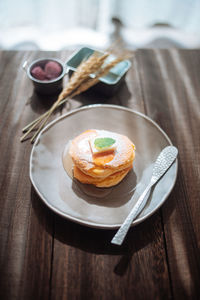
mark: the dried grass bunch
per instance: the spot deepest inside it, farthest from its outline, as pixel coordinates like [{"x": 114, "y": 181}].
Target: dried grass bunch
[{"x": 79, "y": 82}]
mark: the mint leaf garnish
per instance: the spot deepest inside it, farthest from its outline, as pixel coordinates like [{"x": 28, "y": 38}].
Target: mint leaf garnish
[{"x": 101, "y": 143}]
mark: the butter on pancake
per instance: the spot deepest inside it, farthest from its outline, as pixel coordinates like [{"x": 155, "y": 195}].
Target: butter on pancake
[
  {"x": 101, "y": 157},
  {"x": 102, "y": 144}
]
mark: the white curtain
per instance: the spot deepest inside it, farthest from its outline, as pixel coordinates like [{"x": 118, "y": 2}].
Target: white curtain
[
  {"x": 49, "y": 15},
  {"x": 183, "y": 14},
  {"x": 55, "y": 24}
]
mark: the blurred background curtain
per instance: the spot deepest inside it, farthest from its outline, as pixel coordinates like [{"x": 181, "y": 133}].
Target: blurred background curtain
[{"x": 58, "y": 24}]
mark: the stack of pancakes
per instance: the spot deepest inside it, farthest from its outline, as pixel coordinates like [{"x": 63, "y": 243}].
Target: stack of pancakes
[{"x": 104, "y": 166}]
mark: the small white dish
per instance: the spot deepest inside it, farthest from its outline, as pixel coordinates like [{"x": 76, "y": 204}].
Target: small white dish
[{"x": 88, "y": 205}]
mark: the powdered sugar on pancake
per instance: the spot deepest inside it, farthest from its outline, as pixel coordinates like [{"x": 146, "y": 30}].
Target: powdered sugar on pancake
[
  {"x": 80, "y": 148},
  {"x": 123, "y": 148}
]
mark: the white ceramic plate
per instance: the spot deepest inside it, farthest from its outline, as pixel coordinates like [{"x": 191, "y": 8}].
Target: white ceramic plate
[{"x": 85, "y": 204}]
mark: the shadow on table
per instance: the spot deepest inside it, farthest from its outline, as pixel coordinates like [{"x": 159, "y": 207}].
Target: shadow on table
[
  {"x": 97, "y": 241},
  {"x": 107, "y": 197},
  {"x": 121, "y": 97},
  {"x": 41, "y": 103}
]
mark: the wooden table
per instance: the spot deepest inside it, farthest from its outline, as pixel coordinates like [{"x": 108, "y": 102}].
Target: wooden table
[{"x": 44, "y": 256}]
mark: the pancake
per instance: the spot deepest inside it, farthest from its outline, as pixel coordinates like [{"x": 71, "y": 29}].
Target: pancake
[
  {"x": 103, "y": 163},
  {"x": 102, "y": 158},
  {"x": 109, "y": 181}
]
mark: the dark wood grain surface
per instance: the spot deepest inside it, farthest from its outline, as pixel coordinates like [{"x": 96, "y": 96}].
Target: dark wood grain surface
[{"x": 43, "y": 256}]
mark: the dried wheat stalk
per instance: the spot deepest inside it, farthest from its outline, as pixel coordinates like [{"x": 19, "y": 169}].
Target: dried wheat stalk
[
  {"x": 79, "y": 82},
  {"x": 28, "y": 128},
  {"x": 91, "y": 65},
  {"x": 36, "y": 121},
  {"x": 92, "y": 81},
  {"x": 83, "y": 71}
]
